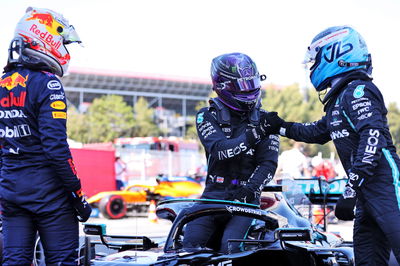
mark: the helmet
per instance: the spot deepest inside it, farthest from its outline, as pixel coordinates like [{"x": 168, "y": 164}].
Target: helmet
[
  {"x": 236, "y": 81},
  {"x": 335, "y": 51},
  {"x": 39, "y": 41}
]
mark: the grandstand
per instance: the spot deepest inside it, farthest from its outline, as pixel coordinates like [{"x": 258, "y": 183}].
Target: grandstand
[{"x": 178, "y": 94}]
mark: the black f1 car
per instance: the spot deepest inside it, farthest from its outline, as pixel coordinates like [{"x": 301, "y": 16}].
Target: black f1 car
[{"x": 279, "y": 235}]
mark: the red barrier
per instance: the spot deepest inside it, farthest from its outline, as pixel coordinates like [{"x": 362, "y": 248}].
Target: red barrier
[{"x": 95, "y": 169}]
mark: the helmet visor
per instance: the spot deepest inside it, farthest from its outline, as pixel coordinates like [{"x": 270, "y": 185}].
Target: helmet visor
[
  {"x": 244, "y": 84},
  {"x": 70, "y": 35},
  {"x": 247, "y": 96}
]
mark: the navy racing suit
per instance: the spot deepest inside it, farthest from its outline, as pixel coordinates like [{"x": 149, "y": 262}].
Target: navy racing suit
[
  {"x": 356, "y": 122},
  {"x": 235, "y": 161},
  {"x": 37, "y": 169}
]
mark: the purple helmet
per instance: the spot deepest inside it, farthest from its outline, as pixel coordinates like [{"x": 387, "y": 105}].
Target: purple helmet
[{"x": 236, "y": 81}]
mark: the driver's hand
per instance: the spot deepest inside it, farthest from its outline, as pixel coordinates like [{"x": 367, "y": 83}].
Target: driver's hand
[
  {"x": 242, "y": 194},
  {"x": 349, "y": 193}
]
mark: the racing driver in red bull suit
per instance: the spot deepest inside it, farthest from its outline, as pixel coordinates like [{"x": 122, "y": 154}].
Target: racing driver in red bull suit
[
  {"x": 39, "y": 188},
  {"x": 355, "y": 120},
  {"x": 242, "y": 156}
]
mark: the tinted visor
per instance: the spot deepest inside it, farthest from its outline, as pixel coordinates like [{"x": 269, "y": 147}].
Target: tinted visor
[
  {"x": 247, "y": 96},
  {"x": 70, "y": 35},
  {"x": 245, "y": 84}
]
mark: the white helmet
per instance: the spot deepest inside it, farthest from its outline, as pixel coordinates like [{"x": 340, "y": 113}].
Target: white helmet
[{"x": 39, "y": 41}]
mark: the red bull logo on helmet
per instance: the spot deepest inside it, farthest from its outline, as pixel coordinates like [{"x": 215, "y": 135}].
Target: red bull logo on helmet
[
  {"x": 46, "y": 19},
  {"x": 13, "y": 81},
  {"x": 51, "y": 24},
  {"x": 46, "y": 36}
]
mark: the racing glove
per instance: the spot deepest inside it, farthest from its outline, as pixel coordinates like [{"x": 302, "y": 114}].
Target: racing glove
[
  {"x": 353, "y": 184},
  {"x": 270, "y": 123},
  {"x": 81, "y": 206},
  {"x": 242, "y": 194},
  {"x": 278, "y": 125}
]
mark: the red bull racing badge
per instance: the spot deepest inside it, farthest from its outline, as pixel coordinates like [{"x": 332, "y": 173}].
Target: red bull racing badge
[{"x": 13, "y": 81}]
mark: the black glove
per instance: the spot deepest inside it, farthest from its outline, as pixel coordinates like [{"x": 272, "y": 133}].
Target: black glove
[
  {"x": 271, "y": 123},
  {"x": 81, "y": 206},
  {"x": 353, "y": 184},
  {"x": 344, "y": 209},
  {"x": 242, "y": 194}
]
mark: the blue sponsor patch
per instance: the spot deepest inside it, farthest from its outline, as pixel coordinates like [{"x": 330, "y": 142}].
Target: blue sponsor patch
[
  {"x": 200, "y": 118},
  {"x": 359, "y": 91}
]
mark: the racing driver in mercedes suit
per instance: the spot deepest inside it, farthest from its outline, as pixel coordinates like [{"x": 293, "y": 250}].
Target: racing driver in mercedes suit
[
  {"x": 39, "y": 188},
  {"x": 355, "y": 120},
  {"x": 241, "y": 154}
]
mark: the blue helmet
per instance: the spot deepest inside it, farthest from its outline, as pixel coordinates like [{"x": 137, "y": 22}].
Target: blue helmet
[
  {"x": 236, "y": 81},
  {"x": 335, "y": 51}
]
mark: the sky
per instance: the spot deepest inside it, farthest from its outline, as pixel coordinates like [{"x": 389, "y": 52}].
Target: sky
[{"x": 179, "y": 38}]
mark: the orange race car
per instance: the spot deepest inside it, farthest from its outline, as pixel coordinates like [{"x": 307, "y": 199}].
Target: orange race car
[{"x": 116, "y": 204}]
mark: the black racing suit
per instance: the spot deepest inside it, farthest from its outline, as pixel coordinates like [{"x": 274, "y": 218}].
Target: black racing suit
[
  {"x": 356, "y": 122},
  {"x": 234, "y": 161},
  {"x": 37, "y": 169}
]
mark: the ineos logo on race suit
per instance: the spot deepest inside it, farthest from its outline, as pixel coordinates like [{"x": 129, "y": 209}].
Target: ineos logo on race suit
[
  {"x": 339, "y": 134},
  {"x": 372, "y": 143},
  {"x": 250, "y": 152},
  {"x": 15, "y": 132},
  {"x": 229, "y": 153}
]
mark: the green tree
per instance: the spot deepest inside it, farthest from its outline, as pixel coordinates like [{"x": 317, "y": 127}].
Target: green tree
[
  {"x": 143, "y": 124},
  {"x": 291, "y": 105},
  {"x": 77, "y": 127},
  {"x": 394, "y": 124},
  {"x": 107, "y": 118}
]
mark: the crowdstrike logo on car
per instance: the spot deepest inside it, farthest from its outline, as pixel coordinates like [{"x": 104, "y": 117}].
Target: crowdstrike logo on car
[{"x": 232, "y": 209}]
